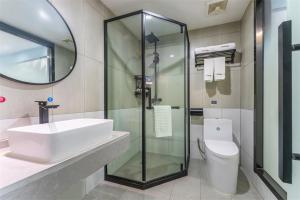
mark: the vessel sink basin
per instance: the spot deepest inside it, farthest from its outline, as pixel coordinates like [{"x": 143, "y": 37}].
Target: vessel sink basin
[{"x": 57, "y": 141}]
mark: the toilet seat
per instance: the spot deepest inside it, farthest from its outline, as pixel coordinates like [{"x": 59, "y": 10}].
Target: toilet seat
[{"x": 223, "y": 149}]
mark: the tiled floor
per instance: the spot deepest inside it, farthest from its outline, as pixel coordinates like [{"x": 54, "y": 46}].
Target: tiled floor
[
  {"x": 158, "y": 165},
  {"x": 192, "y": 187}
]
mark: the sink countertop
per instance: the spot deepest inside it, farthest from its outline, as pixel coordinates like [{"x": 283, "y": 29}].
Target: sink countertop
[{"x": 16, "y": 173}]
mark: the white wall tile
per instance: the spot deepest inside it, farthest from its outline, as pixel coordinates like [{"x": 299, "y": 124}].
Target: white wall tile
[
  {"x": 195, "y": 154},
  {"x": 247, "y": 131},
  {"x": 212, "y": 112},
  {"x": 196, "y": 131},
  {"x": 235, "y": 116},
  {"x": 93, "y": 180}
]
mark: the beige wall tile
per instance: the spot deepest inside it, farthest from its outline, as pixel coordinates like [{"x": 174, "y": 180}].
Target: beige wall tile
[
  {"x": 73, "y": 13},
  {"x": 247, "y": 45},
  {"x": 247, "y": 86},
  {"x": 20, "y": 99},
  {"x": 227, "y": 92},
  {"x": 93, "y": 85},
  {"x": 93, "y": 32},
  {"x": 196, "y": 90},
  {"x": 69, "y": 93}
]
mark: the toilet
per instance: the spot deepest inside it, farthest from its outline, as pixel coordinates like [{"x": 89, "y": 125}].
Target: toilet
[{"x": 222, "y": 155}]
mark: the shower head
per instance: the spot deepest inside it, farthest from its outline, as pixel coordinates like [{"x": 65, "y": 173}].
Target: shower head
[{"x": 151, "y": 38}]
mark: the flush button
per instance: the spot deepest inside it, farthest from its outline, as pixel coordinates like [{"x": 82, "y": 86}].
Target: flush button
[{"x": 2, "y": 99}]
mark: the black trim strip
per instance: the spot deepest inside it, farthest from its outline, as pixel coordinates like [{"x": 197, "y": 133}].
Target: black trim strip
[
  {"x": 145, "y": 12},
  {"x": 275, "y": 188},
  {"x": 143, "y": 101},
  {"x": 145, "y": 185}
]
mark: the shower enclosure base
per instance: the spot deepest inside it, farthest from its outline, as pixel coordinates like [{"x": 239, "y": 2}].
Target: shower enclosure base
[{"x": 132, "y": 170}]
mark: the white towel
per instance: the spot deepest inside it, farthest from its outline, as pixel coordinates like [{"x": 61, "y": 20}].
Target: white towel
[
  {"x": 163, "y": 121},
  {"x": 209, "y": 69},
  {"x": 219, "y": 68}
]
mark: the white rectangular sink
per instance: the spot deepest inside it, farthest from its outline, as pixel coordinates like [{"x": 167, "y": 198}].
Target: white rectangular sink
[{"x": 54, "y": 142}]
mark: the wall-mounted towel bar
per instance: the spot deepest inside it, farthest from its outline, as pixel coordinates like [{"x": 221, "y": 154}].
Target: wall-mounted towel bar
[{"x": 228, "y": 54}]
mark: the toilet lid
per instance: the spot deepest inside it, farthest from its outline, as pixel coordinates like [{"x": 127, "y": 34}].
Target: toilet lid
[{"x": 222, "y": 148}]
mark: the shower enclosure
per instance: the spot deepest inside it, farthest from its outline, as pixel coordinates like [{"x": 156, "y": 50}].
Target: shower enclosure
[{"x": 147, "y": 64}]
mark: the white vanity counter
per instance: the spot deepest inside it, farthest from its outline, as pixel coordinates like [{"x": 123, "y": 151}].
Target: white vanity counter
[{"x": 16, "y": 174}]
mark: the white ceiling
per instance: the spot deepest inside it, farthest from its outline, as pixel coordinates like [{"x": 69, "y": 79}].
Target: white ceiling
[{"x": 191, "y": 12}]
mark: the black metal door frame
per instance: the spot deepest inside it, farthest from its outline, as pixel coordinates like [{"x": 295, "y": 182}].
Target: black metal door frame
[
  {"x": 259, "y": 26},
  {"x": 144, "y": 184}
]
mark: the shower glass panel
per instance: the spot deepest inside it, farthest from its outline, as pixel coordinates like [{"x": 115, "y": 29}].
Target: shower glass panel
[
  {"x": 164, "y": 63},
  {"x": 146, "y": 69},
  {"x": 123, "y": 62}
]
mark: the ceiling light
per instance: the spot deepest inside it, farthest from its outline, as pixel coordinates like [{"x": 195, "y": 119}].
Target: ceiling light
[
  {"x": 148, "y": 17},
  {"x": 44, "y": 15},
  {"x": 172, "y": 56}
]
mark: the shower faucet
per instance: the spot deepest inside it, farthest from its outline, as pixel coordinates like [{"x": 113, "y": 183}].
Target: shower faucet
[{"x": 44, "y": 111}]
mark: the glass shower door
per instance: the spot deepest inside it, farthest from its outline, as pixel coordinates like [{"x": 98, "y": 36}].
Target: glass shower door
[
  {"x": 294, "y": 16},
  {"x": 282, "y": 82},
  {"x": 123, "y": 106},
  {"x": 165, "y": 84}
]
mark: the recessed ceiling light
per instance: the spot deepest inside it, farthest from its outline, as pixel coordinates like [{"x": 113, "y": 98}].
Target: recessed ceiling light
[
  {"x": 44, "y": 15},
  {"x": 172, "y": 56},
  {"x": 148, "y": 17}
]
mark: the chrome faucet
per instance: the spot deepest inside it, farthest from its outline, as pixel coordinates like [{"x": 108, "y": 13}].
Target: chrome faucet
[{"x": 44, "y": 111}]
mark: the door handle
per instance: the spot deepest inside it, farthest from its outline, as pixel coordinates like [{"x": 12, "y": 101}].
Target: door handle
[{"x": 285, "y": 49}]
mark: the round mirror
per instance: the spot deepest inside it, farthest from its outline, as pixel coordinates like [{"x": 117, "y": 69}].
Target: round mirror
[{"x": 36, "y": 44}]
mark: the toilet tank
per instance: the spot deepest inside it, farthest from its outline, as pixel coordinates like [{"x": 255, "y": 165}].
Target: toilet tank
[{"x": 218, "y": 129}]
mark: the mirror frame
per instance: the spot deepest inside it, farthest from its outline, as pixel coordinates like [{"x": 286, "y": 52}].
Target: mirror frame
[{"x": 31, "y": 37}]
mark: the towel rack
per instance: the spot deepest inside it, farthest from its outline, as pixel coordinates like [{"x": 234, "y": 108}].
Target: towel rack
[
  {"x": 228, "y": 54},
  {"x": 172, "y": 107}
]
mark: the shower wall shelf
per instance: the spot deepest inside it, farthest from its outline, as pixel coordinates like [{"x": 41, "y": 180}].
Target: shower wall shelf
[
  {"x": 228, "y": 54},
  {"x": 196, "y": 111}
]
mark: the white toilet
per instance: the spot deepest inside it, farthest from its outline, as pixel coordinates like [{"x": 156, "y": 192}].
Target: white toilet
[{"x": 222, "y": 155}]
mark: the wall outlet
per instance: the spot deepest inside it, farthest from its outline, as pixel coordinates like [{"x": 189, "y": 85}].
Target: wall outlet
[{"x": 214, "y": 102}]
